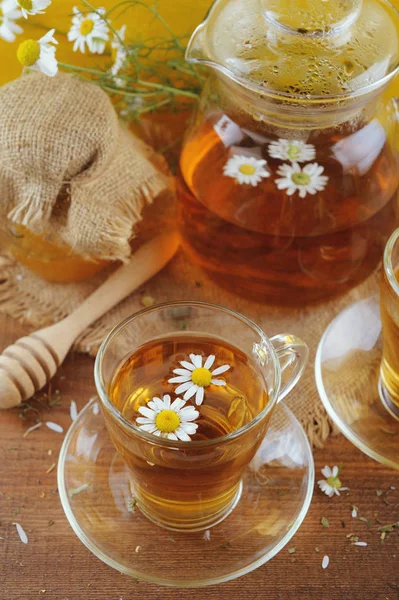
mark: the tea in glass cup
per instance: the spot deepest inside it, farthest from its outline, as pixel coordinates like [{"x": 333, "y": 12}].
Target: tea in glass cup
[
  {"x": 187, "y": 392},
  {"x": 389, "y": 381}
]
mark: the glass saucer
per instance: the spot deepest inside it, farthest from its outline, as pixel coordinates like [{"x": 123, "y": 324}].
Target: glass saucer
[
  {"x": 96, "y": 493},
  {"x": 347, "y": 370}
]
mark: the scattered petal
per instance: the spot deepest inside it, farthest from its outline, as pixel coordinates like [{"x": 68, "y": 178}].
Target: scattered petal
[
  {"x": 325, "y": 562},
  {"x": 22, "y": 535},
  {"x": 73, "y": 410},
  {"x": 54, "y": 426}
]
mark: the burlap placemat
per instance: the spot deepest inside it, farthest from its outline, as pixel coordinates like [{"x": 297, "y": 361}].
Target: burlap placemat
[{"x": 37, "y": 304}]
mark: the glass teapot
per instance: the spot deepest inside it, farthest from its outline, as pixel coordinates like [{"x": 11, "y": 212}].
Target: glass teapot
[{"x": 288, "y": 176}]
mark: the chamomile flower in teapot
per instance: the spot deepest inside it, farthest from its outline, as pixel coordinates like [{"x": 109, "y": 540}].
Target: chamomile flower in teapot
[{"x": 289, "y": 174}]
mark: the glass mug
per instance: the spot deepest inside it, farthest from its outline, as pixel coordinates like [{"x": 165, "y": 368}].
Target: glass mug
[
  {"x": 389, "y": 304},
  {"x": 193, "y": 485}
]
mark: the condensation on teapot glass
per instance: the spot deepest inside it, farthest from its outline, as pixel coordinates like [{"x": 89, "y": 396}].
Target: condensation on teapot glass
[
  {"x": 312, "y": 19},
  {"x": 305, "y": 47}
]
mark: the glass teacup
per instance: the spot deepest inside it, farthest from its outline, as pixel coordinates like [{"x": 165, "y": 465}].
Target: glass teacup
[{"x": 187, "y": 392}]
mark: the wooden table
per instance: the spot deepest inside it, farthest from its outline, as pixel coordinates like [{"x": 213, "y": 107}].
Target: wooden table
[{"x": 56, "y": 565}]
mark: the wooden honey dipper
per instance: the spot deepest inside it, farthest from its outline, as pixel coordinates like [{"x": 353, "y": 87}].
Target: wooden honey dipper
[{"x": 27, "y": 365}]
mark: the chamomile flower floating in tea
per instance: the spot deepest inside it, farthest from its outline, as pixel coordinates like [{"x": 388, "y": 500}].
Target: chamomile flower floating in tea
[
  {"x": 89, "y": 30},
  {"x": 163, "y": 419},
  {"x": 30, "y": 7},
  {"x": 331, "y": 484},
  {"x": 9, "y": 13},
  {"x": 194, "y": 378},
  {"x": 293, "y": 150},
  {"x": 246, "y": 169},
  {"x": 39, "y": 55},
  {"x": 308, "y": 180}
]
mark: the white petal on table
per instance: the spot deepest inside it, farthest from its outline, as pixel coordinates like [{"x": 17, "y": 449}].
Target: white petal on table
[
  {"x": 325, "y": 562},
  {"x": 73, "y": 410},
  {"x": 21, "y": 532},
  {"x": 54, "y": 426}
]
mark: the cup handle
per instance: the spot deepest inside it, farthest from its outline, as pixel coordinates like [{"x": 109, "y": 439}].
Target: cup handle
[{"x": 293, "y": 355}]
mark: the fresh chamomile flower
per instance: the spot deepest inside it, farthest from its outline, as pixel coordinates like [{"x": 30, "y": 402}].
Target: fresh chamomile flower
[
  {"x": 293, "y": 150},
  {"x": 119, "y": 53},
  {"x": 39, "y": 55},
  {"x": 163, "y": 419},
  {"x": 331, "y": 484},
  {"x": 119, "y": 37},
  {"x": 9, "y": 13},
  {"x": 30, "y": 7},
  {"x": 246, "y": 169},
  {"x": 88, "y": 30},
  {"x": 194, "y": 378},
  {"x": 308, "y": 180}
]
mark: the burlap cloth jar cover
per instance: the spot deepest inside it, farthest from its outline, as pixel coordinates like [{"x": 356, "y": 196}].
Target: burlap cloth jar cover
[
  {"x": 37, "y": 303},
  {"x": 68, "y": 166}
]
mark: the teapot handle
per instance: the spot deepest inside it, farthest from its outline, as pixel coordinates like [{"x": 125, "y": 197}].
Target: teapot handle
[
  {"x": 293, "y": 355},
  {"x": 393, "y": 116}
]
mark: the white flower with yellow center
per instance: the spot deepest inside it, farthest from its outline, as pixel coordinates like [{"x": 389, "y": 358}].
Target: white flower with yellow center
[
  {"x": 39, "y": 55},
  {"x": 293, "y": 150},
  {"x": 119, "y": 52},
  {"x": 246, "y": 169},
  {"x": 172, "y": 421},
  {"x": 194, "y": 378},
  {"x": 29, "y": 7},
  {"x": 308, "y": 180},
  {"x": 89, "y": 30},
  {"x": 9, "y": 13},
  {"x": 331, "y": 484}
]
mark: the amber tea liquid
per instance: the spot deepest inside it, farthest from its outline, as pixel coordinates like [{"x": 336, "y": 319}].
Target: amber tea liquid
[
  {"x": 196, "y": 487},
  {"x": 260, "y": 242},
  {"x": 390, "y": 325}
]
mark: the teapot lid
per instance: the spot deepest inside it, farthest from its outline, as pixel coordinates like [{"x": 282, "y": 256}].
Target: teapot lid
[{"x": 300, "y": 47}]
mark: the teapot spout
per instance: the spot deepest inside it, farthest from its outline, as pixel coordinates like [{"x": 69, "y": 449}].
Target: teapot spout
[{"x": 198, "y": 51}]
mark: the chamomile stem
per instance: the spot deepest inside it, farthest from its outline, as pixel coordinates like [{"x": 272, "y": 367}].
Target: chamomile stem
[{"x": 148, "y": 84}]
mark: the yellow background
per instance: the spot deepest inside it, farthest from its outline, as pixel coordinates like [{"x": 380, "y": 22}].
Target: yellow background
[{"x": 181, "y": 15}]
